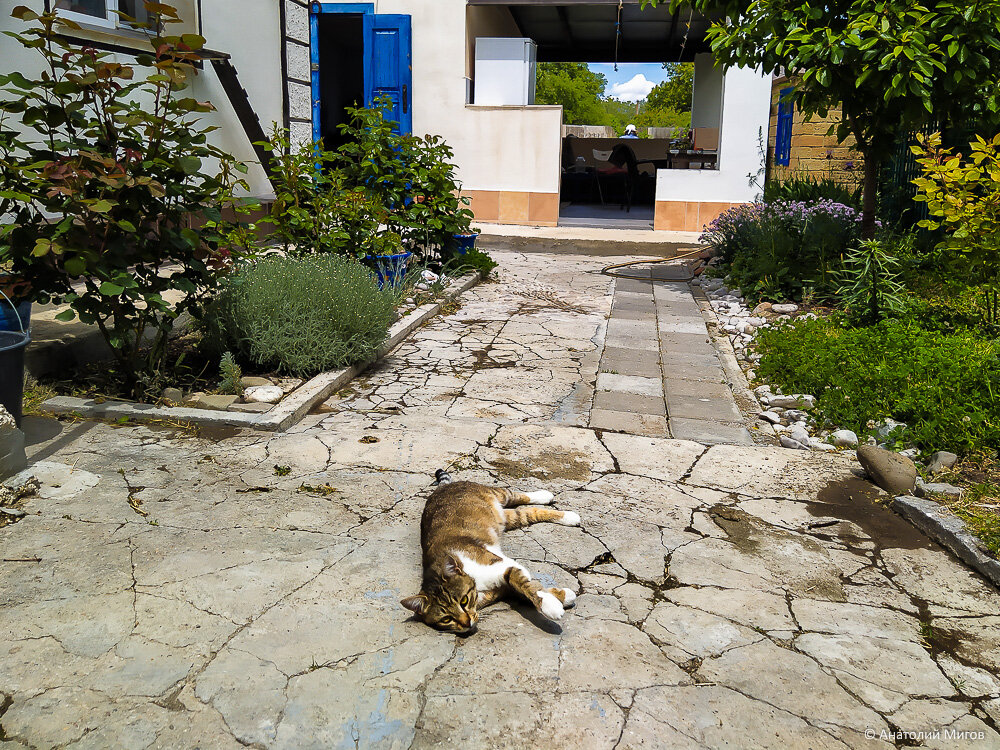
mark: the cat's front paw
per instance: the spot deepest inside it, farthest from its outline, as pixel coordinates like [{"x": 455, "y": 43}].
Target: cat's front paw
[
  {"x": 550, "y": 606},
  {"x": 569, "y": 598},
  {"x": 569, "y": 518},
  {"x": 540, "y": 497}
]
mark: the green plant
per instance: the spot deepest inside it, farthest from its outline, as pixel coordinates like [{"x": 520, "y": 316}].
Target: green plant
[
  {"x": 945, "y": 387},
  {"x": 105, "y": 167},
  {"x": 304, "y": 315},
  {"x": 871, "y": 289},
  {"x": 473, "y": 260},
  {"x": 412, "y": 178},
  {"x": 963, "y": 198},
  {"x": 894, "y": 65},
  {"x": 809, "y": 188},
  {"x": 230, "y": 375}
]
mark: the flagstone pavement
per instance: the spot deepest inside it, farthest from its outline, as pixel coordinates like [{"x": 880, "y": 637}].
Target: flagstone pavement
[{"x": 241, "y": 590}]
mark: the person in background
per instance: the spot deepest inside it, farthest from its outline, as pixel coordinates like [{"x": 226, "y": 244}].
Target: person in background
[{"x": 630, "y": 131}]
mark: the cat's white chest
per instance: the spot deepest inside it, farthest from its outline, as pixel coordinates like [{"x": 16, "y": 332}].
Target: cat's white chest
[{"x": 489, "y": 577}]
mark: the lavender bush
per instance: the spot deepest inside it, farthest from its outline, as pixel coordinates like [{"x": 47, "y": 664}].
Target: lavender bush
[{"x": 775, "y": 250}]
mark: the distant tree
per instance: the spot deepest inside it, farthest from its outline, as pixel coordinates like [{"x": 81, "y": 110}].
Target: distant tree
[
  {"x": 894, "y": 65},
  {"x": 577, "y": 88},
  {"x": 675, "y": 92}
]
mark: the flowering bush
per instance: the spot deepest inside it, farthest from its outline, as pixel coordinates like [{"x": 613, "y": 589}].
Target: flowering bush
[{"x": 777, "y": 249}]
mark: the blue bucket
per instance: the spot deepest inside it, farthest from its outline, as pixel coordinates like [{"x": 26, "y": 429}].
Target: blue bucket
[
  {"x": 15, "y": 317},
  {"x": 12, "y": 345},
  {"x": 390, "y": 269}
]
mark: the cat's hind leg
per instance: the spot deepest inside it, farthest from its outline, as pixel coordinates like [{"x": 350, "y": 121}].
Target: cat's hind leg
[
  {"x": 538, "y": 497},
  {"x": 518, "y": 518},
  {"x": 551, "y": 603}
]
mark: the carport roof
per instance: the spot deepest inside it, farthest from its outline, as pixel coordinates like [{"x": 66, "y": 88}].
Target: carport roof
[{"x": 584, "y": 30}]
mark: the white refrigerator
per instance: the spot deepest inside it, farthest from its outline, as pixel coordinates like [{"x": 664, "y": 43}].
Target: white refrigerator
[{"x": 505, "y": 71}]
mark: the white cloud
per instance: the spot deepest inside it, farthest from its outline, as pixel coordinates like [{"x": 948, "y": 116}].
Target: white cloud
[{"x": 634, "y": 90}]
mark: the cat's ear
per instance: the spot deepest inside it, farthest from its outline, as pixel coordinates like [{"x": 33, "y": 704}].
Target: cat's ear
[
  {"x": 416, "y": 603},
  {"x": 452, "y": 567}
]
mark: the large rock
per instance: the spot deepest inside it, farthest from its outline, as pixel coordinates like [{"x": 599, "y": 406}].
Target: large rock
[
  {"x": 844, "y": 439},
  {"x": 893, "y": 473},
  {"x": 12, "y": 456},
  {"x": 264, "y": 394}
]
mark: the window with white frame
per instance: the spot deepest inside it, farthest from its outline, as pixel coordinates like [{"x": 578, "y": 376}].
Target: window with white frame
[{"x": 104, "y": 12}]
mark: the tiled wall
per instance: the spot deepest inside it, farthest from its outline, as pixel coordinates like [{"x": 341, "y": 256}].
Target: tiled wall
[
  {"x": 511, "y": 207},
  {"x": 684, "y": 216}
]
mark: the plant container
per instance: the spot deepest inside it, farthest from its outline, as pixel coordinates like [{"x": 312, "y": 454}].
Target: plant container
[{"x": 389, "y": 269}]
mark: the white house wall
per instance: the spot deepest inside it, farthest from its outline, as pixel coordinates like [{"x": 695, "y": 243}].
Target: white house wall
[
  {"x": 252, "y": 39},
  {"x": 688, "y": 199}
]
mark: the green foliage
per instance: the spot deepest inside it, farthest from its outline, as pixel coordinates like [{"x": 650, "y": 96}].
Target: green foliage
[
  {"x": 675, "y": 92},
  {"x": 412, "y": 178},
  {"x": 809, "y": 188},
  {"x": 473, "y": 260},
  {"x": 103, "y": 165},
  {"x": 230, "y": 375},
  {"x": 871, "y": 290},
  {"x": 895, "y": 65},
  {"x": 577, "y": 88},
  {"x": 779, "y": 250},
  {"x": 304, "y": 315},
  {"x": 944, "y": 386}
]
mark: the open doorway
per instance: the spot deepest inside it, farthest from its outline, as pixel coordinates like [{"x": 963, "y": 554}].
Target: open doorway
[{"x": 341, "y": 72}]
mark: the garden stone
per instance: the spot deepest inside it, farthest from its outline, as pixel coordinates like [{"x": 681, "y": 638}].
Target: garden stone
[
  {"x": 722, "y": 291},
  {"x": 788, "y": 442},
  {"x": 249, "y": 381},
  {"x": 762, "y": 308},
  {"x": 800, "y": 433},
  {"x": 252, "y": 408},
  {"x": 770, "y": 416},
  {"x": 796, "y": 415},
  {"x": 784, "y": 309},
  {"x": 12, "y": 456},
  {"x": 890, "y": 471},
  {"x": 844, "y": 439},
  {"x": 937, "y": 488},
  {"x": 887, "y": 428},
  {"x": 940, "y": 461},
  {"x": 264, "y": 394},
  {"x": 210, "y": 401},
  {"x": 819, "y": 445},
  {"x": 910, "y": 453},
  {"x": 799, "y": 401},
  {"x": 172, "y": 396}
]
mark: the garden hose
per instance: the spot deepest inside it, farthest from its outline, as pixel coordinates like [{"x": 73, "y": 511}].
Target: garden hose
[{"x": 609, "y": 270}]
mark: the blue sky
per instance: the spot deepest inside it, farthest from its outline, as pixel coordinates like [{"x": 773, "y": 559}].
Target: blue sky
[{"x": 626, "y": 82}]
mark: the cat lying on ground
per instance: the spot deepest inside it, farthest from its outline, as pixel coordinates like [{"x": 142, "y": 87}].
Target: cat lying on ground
[{"x": 464, "y": 567}]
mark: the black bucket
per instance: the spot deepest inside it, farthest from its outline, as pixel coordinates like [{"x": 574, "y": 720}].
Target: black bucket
[{"x": 12, "y": 345}]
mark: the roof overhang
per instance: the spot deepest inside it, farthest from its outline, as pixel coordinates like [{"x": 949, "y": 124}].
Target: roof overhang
[{"x": 585, "y": 30}]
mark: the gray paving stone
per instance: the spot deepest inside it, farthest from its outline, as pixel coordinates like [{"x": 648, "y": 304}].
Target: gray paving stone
[
  {"x": 670, "y": 272},
  {"x": 683, "y": 325},
  {"x": 644, "y": 363},
  {"x": 652, "y": 425},
  {"x": 630, "y": 384},
  {"x": 632, "y": 313},
  {"x": 704, "y": 407},
  {"x": 633, "y": 285},
  {"x": 674, "y": 387},
  {"x": 709, "y": 433},
  {"x": 643, "y": 328},
  {"x": 686, "y": 343},
  {"x": 630, "y": 402},
  {"x": 683, "y": 371},
  {"x": 632, "y": 341},
  {"x": 679, "y": 360}
]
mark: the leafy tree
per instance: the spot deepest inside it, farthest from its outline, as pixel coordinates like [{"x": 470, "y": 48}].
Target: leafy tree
[
  {"x": 577, "y": 88},
  {"x": 675, "y": 92},
  {"x": 895, "y": 65}
]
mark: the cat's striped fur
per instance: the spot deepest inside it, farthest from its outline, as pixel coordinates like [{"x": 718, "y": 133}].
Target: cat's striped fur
[{"x": 464, "y": 567}]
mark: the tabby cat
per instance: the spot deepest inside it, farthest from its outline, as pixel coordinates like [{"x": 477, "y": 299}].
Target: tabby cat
[{"x": 464, "y": 568}]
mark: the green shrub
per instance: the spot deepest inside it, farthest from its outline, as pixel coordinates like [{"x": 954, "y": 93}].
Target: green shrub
[
  {"x": 103, "y": 163},
  {"x": 810, "y": 189},
  {"x": 945, "y": 387},
  {"x": 304, "y": 315},
  {"x": 871, "y": 290},
  {"x": 473, "y": 260}
]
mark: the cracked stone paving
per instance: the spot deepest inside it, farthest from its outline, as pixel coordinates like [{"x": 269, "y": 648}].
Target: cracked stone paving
[{"x": 171, "y": 591}]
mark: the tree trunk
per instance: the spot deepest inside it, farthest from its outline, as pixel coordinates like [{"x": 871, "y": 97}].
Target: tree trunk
[{"x": 869, "y": 194}]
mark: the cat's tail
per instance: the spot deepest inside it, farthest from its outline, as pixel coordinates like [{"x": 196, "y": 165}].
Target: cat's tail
[{"x": 441, "y": 477}]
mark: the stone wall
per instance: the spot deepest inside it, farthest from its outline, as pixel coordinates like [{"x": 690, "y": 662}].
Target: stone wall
[{"x": 813, "y": 152}]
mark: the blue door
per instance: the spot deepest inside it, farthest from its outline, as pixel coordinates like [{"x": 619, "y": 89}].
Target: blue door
[{"x": 388, "y": 66}]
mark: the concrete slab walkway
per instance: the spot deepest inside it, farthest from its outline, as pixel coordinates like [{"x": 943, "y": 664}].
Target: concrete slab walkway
[
  {"x": 168, "y": 590},
  {"x": 660, "y": 374}
]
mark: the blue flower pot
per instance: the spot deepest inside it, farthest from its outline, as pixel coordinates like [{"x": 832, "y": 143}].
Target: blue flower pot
[
  {"x": 15, "y": 317},
  {"x": 463, "y": 243},
  {"x": 389, "y": 269}
]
